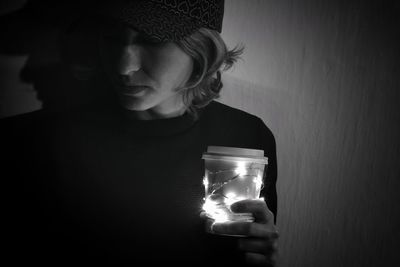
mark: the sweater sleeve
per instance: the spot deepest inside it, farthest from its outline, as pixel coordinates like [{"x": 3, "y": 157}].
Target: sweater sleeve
[{"x": 268, "y": 144}]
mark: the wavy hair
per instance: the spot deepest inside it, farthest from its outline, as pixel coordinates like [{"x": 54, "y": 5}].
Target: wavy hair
[{"x": 211, "y": 56}]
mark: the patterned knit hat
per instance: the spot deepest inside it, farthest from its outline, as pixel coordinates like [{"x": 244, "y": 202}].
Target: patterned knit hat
[{"x": 166, "y": 20}]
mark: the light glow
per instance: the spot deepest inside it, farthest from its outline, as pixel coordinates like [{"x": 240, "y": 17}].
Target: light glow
[
  {"x": 222, "y": 193},
  {"x": 233, "y": 200},
  {"x": 241, "y": 169},
  {"x": 214, "y": 211},
  {"x": 205, "y": 182},
  {"x": 230, "y": 195},
  {"x": 220, "y": 211},
  {"x": 258, "y": 181},
  {"x": 229, "y": 200}
]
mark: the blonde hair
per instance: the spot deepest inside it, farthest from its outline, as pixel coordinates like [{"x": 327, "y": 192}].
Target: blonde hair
[{"x": 211, "y": 56}]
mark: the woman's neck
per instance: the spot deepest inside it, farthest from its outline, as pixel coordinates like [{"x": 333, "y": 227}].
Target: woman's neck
[{"x": 154, "y": 114}]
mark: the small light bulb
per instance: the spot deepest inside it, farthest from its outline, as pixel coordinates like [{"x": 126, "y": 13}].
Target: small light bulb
[
  {"x": 258, "y": 181},
  {"x": 241, "y": 169},
  {"x": 214, "y": 210},
  {"x": 205, "y": 182},
  {"x": 230, "y": 195}
]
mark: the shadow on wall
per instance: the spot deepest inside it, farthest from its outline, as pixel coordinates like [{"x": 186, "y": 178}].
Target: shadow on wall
[{"x": 39, "y": 32}]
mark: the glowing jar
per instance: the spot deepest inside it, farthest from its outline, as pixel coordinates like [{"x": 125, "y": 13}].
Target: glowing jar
[{"x": 231, "y": 174}]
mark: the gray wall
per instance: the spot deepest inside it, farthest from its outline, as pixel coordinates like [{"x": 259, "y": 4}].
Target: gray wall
[{"x": 323, "y": 76}]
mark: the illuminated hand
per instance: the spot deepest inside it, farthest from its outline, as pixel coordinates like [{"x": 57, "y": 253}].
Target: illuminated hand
[{"x": 260, "y": 243}]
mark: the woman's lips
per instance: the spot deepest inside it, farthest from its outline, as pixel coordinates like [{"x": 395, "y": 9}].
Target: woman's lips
[{"x": 133, "y": 90}]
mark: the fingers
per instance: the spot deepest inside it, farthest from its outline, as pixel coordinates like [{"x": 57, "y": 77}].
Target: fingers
[
  {"x": 257, "y": 207},
  {"x": 203, "y": 215},
  {"x": 259, "y": 252},
  {"x": 256, "y": 245},
  {"x": 259, "y": 238},
  {"x": 245, "y": 228},
  {"x": 255, "y": 259}
]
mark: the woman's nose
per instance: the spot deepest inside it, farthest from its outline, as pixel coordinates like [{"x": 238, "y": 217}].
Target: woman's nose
[{"x": 130, "y": 60}]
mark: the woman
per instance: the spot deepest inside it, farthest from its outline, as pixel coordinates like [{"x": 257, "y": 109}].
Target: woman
[{"x": 123, "y": 183}]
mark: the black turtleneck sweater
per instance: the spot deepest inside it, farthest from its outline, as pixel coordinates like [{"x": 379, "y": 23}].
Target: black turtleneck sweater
[{"x": 99, "y": 187}]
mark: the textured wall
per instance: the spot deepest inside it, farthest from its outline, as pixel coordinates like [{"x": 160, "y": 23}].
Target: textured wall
[{"x": 323, "y": 76}]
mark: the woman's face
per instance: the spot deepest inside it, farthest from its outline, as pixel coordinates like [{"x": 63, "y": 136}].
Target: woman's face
[{"x": 144, "y": 74}]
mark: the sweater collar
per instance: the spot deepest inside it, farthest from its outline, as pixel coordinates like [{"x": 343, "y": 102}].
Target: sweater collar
[
  {"x": 117, "y": 119},
  {"x": 159, "y": 127}
]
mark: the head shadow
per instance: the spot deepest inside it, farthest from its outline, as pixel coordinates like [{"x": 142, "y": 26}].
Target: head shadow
[{"x": 39, "y": 30}]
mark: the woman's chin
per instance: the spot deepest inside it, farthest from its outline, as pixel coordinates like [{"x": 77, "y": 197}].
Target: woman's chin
[{"x": 132, "y": 103}]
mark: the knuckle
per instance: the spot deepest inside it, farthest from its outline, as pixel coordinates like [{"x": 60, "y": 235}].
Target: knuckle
[
  {"x": 260, "y": 204},
  {"x": 274, "y": 234},
  {"x": 275, "y": 247},
  {"x": 269, "y": 213}
]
